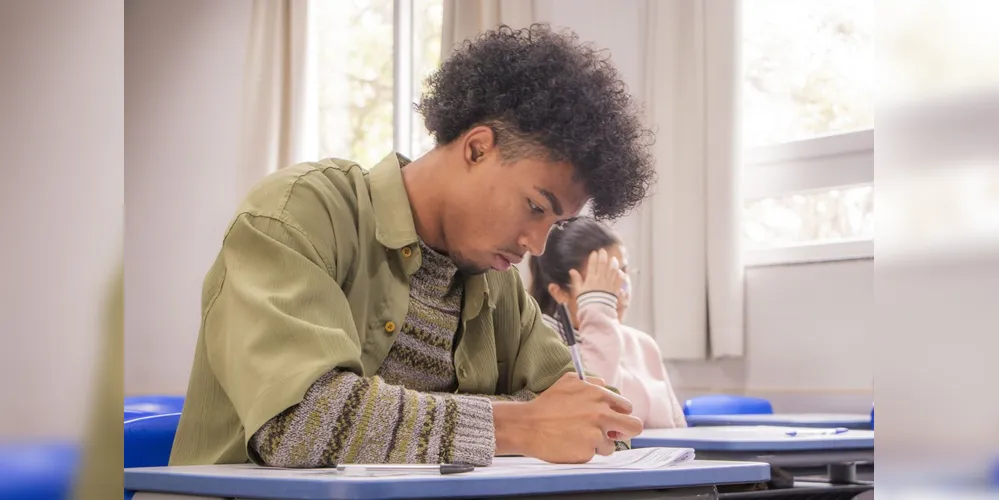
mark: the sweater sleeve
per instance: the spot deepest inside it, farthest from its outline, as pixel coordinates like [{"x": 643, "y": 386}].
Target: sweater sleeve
[{"x": 346, "y": 418}]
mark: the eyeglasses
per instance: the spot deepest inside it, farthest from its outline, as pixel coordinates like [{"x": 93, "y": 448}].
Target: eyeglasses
[{"x": 632, "y": 277}]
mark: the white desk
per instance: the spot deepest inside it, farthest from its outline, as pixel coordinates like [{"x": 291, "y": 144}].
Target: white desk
[
  {"x": 693, "y": 480},
  {"x": 839, "y": 452},
  {"x": 860, "y": 421}
]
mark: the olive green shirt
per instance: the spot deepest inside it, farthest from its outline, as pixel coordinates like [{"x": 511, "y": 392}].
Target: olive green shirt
[{"x": 313, "y": 275}]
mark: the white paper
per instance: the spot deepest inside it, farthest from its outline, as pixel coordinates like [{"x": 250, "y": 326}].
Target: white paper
[{"x": 638, "y": 459}]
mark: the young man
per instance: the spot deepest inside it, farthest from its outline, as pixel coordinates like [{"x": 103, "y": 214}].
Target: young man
[{"x": 372, "y": 316}]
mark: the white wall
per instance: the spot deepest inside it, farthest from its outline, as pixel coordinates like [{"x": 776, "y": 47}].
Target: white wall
[
  {"x": 60, "y": 207},
  {"x": 184, "y": 74},
  {"x": 808, "y": 340}
]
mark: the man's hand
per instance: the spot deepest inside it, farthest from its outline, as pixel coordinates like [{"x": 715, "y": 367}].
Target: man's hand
[{"x": 568, "y": 423}]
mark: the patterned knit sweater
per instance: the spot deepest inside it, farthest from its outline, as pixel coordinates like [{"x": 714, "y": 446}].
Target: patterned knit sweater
[{"x": 403, "y": 414}]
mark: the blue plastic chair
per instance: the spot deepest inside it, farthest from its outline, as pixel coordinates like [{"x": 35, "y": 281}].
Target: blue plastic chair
[
  {"x": 725, "y": 404},
  {"x": 38, "y": 471},
  {"x": 148, "y": 439},
  {"x": 155, "y": 404}
]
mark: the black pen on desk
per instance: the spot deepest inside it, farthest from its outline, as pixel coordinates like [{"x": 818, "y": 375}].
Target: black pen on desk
[
  {"x": 442, "y": 469},
  {"x": 569, "y": 333}
]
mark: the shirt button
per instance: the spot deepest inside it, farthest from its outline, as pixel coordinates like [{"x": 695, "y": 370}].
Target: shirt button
[
  {"x": 390, "y": 327},
  {"x": 407, "y": 252}
]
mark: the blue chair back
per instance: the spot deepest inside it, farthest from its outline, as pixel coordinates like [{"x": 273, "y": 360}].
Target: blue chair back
[
  {"x": 149, "y": 439},
  {"x": 724, "y": 404},
  {"x": 38, "y": 471},
  {"x": 155, "y": 404},
  {"x": 130, "y": 414}
]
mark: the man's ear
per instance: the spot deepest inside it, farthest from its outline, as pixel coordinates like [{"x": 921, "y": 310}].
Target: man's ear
[{"x": 479, "y": 142}]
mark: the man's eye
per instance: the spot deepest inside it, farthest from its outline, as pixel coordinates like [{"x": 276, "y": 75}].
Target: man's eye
[{"x": 534, "y": 207}]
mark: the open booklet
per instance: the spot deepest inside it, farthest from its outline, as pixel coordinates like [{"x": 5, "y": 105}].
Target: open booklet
[
  {"x": 640, "y": 459},
  {"x": 637, "y": 459}
]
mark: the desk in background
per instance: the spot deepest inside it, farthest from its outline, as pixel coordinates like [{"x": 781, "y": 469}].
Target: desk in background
[
  {"x": 839, "y": 453},
  {"x": 691, "y": 480},
  {"x": 858, "y": 421}
]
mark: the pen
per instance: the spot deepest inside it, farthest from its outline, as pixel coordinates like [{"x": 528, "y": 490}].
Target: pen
[
  {"x": 817, "y": 432},
  {"x": 570, "y": 338},
  {"x": 442, "y": 469}
]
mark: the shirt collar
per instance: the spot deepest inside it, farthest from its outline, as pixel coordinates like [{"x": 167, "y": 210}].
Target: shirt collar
[{"x": 394, "y": 227}]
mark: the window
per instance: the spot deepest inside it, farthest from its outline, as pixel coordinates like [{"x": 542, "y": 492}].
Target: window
[
  {"x": 808, "y": 97},
  {"x": 373, "y": 57}
]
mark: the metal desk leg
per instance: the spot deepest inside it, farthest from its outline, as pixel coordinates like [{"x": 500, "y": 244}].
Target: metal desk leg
[
  {"x": 843, "y": 473},
  {"x": 694, "y": 493}
]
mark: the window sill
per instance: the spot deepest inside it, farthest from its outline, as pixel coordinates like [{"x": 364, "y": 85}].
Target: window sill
[
  {"x": 810, "y": 253},
  {"x": 813, "y": 164}
]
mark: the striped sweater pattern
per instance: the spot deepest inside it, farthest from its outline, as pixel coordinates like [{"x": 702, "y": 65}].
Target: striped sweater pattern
[{"x": 407, "y": 412}]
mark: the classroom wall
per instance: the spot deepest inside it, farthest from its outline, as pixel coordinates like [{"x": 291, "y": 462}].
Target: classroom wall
[
  {"x": 183, "y": 89},
  {"x": 184, "y": 72},
  {"x": 808, "y": 344},
  {"x": 60, "y": 211}
]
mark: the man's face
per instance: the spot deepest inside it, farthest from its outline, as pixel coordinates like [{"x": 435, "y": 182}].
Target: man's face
[{"x": 507, "y": 209}]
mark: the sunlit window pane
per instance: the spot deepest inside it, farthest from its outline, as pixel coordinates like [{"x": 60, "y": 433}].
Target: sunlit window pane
[
  {"x": 427, "y": 28},
  {"x": 355, "y": 79},
  {"x": 827, "y": 216},
  {"x": 808, "y": 69}
]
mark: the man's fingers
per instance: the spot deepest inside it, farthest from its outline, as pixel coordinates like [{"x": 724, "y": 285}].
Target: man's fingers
[
  {"x": 623, "y": 426},
  {"x": 606, "y": 448},
  {"x": 617, "y": 402}
]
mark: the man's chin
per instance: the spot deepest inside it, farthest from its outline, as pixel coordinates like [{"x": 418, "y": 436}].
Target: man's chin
[
  {"x": 473, "y": 270},
  {"x": 468, "y": 267}
]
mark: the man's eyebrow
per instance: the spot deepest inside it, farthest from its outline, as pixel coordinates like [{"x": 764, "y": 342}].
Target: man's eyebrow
[{"x": 556, "y": 205}]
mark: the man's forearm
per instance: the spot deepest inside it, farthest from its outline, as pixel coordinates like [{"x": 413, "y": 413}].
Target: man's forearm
[{"x": 345, "y": 418}]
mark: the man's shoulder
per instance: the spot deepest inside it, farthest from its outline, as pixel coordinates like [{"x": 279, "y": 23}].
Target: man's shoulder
[
  {"x": 329, "y": 185},
  {"x": 331, "y": 178}
]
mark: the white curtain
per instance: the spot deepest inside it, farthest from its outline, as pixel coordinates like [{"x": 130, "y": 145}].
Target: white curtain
[
  {"x": 690, "y": 233},
  {"x": 463, "y": 19},
  {"x": 279, "y": 91}
]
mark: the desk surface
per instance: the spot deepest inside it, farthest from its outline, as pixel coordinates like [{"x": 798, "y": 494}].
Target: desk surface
[
  {"x": 249, "y": 481},
  {"x": 848, "y": 420},
  {"x": 751, "y": 439}
]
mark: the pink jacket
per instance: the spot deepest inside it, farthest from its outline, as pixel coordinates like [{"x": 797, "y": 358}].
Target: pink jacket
[{"x": 627, "y": 359}]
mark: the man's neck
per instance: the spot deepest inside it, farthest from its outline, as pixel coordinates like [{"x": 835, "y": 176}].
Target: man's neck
[{"x": 425, "y": 185}]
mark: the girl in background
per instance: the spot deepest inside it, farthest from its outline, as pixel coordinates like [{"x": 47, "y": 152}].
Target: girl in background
[{"x": 585, "y": 267}]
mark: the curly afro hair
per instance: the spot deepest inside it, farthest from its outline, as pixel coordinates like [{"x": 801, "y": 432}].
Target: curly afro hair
[{"x": 546, "y": 95}]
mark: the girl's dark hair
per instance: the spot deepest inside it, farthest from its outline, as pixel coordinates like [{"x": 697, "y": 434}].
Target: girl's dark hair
[{"x": 568, "y": 247}]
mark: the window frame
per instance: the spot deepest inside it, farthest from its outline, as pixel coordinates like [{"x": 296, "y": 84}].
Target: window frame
[
  {"x": 402, "y": 74},
  {"x": 822, "y": 163}
]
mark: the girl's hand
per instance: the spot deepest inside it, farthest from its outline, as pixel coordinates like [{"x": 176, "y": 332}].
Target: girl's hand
[{"x": 602, "y": 273}]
